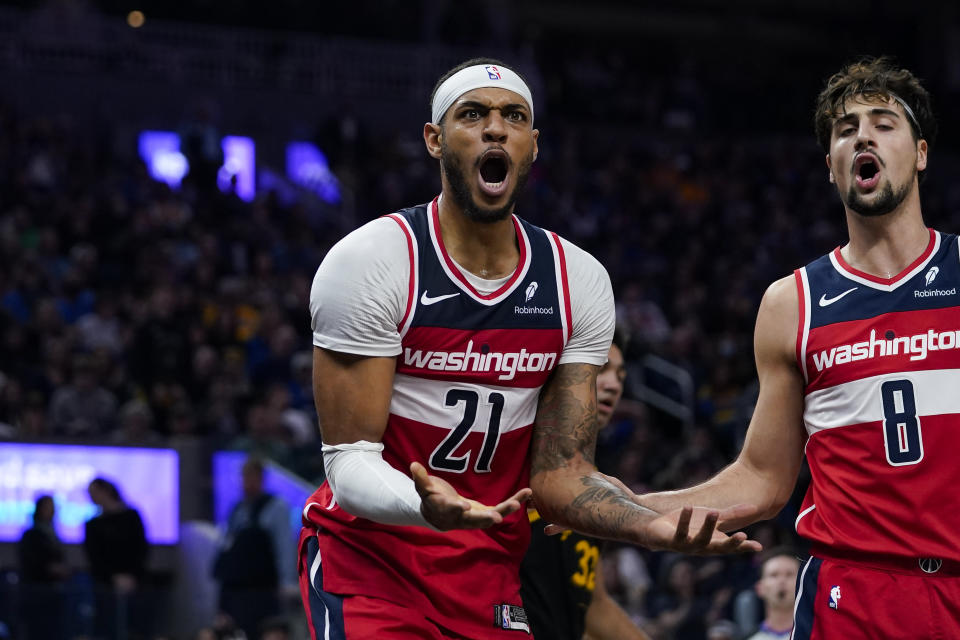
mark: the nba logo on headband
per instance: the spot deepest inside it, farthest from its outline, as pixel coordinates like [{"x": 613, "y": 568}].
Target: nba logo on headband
[{"x": 475, "y": 77}]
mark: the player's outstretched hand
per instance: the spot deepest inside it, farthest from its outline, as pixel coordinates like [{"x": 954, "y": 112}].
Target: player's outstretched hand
[
  {"x": 446, "y": 509},
  {"x": 695, "y": 530}
]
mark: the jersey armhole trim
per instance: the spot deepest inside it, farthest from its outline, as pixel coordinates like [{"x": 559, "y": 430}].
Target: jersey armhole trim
[
  {"x": 404, "y": 323},
  {"x": 563, "y": 286},
  {"x": 803, "y": 324}
]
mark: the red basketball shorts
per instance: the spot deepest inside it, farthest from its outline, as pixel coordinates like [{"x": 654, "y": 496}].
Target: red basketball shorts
[
  {"x": 334, "y": 617},
  {"x": 910, "y": 599}
]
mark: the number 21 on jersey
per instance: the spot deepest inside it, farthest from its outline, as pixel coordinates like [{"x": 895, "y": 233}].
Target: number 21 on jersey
[{"x": 442, "y": 457}]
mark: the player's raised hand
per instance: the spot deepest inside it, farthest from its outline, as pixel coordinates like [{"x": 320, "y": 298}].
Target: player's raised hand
[
  {"x": 672, "y": 531},
  {"x": 446, "y": 509}
]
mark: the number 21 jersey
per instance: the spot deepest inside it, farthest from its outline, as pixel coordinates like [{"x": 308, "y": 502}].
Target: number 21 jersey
[{"x": 470, "y": 366}]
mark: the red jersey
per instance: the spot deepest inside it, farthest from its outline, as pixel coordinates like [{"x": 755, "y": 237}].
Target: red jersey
[
  {"x": 881, "y": 360},
  {"x": 464, "y": 400}
]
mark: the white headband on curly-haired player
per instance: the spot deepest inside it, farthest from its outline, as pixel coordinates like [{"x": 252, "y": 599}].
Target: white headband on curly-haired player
[{"x": 475, "y": 77}]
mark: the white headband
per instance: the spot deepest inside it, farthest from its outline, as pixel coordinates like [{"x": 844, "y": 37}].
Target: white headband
[{"x": 476, "y": 77}]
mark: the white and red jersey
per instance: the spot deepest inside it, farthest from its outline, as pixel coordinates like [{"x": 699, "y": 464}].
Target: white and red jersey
[
  {"x": 881, "y": 361},
  {"x": 471, "y": 361}
]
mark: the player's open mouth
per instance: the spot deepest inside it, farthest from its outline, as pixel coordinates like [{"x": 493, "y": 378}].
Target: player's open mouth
[
  {"x": 494, "y": 172},
  {"x": 867, "y": 171}
]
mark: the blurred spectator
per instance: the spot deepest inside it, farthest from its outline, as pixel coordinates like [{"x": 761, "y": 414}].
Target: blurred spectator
[
  {"x": 681, "y": 610},
  {"x": 101, "y": 328},
  {"x": 116, "y": 548},
  {"x": 628, "y": 580},
  {"x": 777, "y": 589},
  {"x": 276, "y": 628},
  {"x": 257, "y": 560},
  {"x": 265, "y": 435},
  {"x": 301, "y": 387},
  {"x": 84, "y": 407},
  {"x": 43, "y": 571},
  {"x": 160, "y": 351},
  {"x": 722, "y": 630},
  {"x": 136, "y": 426}
]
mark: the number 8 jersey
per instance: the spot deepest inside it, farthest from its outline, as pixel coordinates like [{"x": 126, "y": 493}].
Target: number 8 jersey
[
  {"x": 472, "y": 356},
  {"x": 881, "y": 361}
]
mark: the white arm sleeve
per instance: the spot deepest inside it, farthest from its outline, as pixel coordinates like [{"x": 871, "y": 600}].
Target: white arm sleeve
[
  {"x": 364, "y": 485},
  {"x": 592, "y": 308},
  {"x": 359, "y": 292}
]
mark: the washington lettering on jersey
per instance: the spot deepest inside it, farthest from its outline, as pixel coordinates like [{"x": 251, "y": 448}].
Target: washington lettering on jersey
[
  {"x": 469, "y": 360},
  {"x": 464, "y": 399},
  {"x": 881, "y": 367},
  {"x": 916, "y": 346}
]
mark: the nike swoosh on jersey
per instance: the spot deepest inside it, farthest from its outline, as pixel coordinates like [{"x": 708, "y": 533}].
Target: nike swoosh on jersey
[
  {"x": 826, "y": 302},
  {"x": 426, "y": 300}
]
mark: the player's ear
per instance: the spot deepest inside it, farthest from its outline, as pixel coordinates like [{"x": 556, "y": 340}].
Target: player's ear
[
  {"x": 433, "y": 139},
  {"x": 921, "y": 155},
  {"x": 536, "y": 148},
  {"x": 833, "y": 180}
]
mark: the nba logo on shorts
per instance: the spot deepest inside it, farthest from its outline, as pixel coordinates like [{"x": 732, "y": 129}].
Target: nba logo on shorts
[
  {"x": 835, "y": 597},
  {"x": 505, "y": 616},
  {"x": 493, "y": 72}
]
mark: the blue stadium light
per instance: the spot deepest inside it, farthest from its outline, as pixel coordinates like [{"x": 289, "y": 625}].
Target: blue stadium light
[
  {"x": 239, "y": 164},
  {"x": 307, "y": 166},
  {"x": 160, "y": 150}
]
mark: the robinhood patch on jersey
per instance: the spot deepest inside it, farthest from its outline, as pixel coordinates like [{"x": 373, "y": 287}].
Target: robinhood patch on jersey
[{"x": 511, "y": 617}]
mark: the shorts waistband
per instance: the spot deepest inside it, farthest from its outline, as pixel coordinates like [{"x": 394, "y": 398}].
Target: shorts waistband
[{"x": 917, "y": 566}]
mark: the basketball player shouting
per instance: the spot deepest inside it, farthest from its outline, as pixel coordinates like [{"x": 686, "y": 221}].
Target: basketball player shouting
[
  {"x": 858, "y": 356},
  {"x": 459, "y": 344}
]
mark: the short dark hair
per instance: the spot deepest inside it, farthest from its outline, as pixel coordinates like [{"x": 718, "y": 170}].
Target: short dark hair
[
  {"x": 41, "y": 499},
  {"x": 463, "y": 65},
  {"x": 107, "y": 486},
  {"x": 621, "y": 338},
  {"x": 778, "y": 552},
  {"x": 873, "y": 78}
]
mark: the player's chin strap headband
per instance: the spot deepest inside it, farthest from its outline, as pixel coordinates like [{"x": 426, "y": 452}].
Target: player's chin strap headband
[
  {"x": 908, "y": 111},
  {"x": 475, "y": 77}
]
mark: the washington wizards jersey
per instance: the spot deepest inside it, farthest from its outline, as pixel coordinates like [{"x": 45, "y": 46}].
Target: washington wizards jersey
[
  {"x": 881, "y": 362},
  {"x": 464, "y": 400}
]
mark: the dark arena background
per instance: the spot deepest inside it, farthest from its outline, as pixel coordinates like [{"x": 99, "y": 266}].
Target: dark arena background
[{"x": 172, "y": 174}]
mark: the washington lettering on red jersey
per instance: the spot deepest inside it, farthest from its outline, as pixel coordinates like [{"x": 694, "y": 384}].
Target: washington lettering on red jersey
[
  {"x": 464, "y": 400},
  {"x": 881, "y": 362},
  {"x": 473, "y": 361}
]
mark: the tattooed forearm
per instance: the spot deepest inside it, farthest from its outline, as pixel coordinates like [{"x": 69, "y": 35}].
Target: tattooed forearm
[
  {"x": 566, "y": 418},
  {"x": 603, "y": 510},
  {"x": 567, "y": 488}
]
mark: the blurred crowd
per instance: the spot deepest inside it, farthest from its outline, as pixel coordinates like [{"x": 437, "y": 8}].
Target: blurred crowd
[{"x": 133, "y": 313}]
